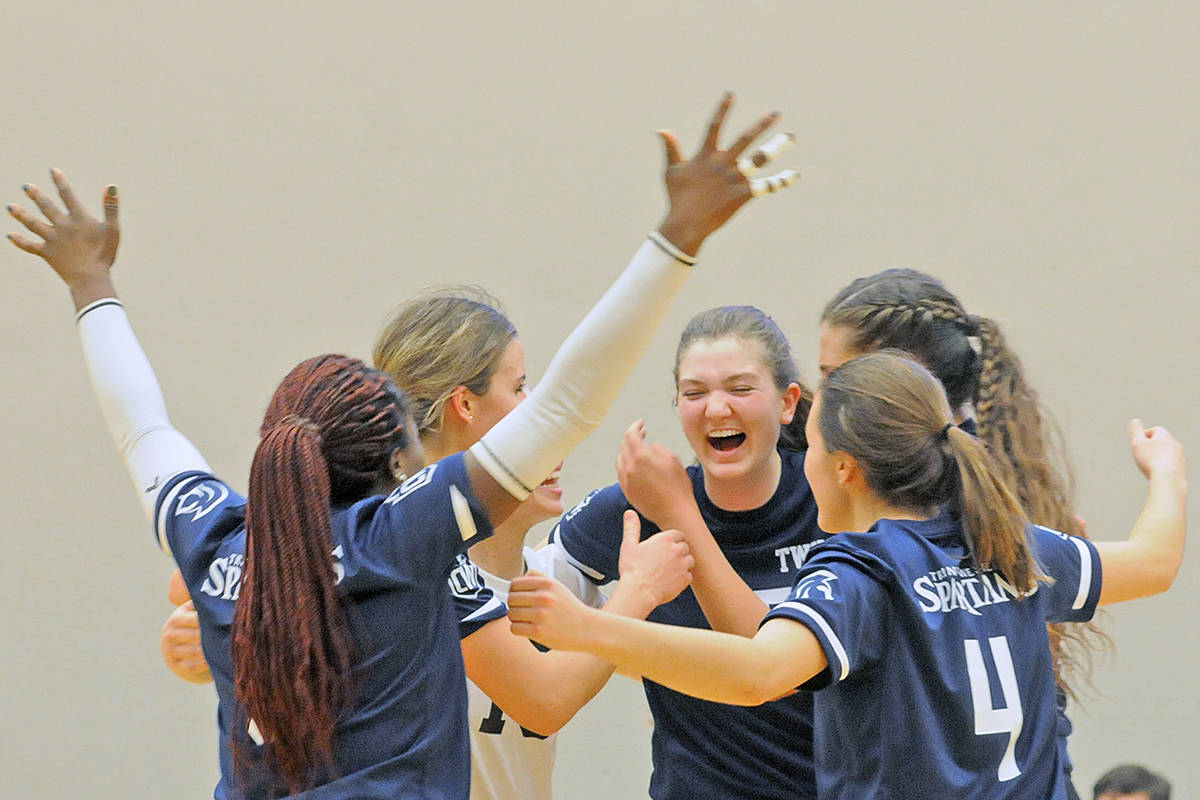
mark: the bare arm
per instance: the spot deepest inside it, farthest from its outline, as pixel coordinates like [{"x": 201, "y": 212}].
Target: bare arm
[
  {"x": 1148, "y": 561},
  {"x": 657, "y": 485},
  {"x": 543, "y": 691},
  {"x": 720, "y": 667}
]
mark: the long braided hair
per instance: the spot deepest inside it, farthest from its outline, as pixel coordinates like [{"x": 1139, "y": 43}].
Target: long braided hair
[
  {"x": 327, "y": 438},
  {"x": 914, "y": 312}
]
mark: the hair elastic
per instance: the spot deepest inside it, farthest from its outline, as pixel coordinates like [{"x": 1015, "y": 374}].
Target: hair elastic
[{"x": 945, "y": 432}]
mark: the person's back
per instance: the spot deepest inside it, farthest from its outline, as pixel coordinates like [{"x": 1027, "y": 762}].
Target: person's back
[
  {"x": 952, "y": 663},
  {"x": 403, "y": 664}
]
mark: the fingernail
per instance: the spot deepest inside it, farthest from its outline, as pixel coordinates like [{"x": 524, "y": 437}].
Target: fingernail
[
  {"x": 24, "y": 187},
  {"x": 9, "y": 207},
  {"x": 112, "y": 191}
]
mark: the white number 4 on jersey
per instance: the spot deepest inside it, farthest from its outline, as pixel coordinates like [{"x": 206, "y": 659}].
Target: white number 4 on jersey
[{"x": 988, "y": 719}]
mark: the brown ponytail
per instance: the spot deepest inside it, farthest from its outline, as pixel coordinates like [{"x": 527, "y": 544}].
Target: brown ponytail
[
  {"x": 892, "y": 415},
  {"x": 915, "y": 312},
  {"x": 326, "y": 437}
]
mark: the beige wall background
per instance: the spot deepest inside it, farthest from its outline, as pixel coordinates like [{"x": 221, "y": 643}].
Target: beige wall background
[{"x": 290, "y": 171}]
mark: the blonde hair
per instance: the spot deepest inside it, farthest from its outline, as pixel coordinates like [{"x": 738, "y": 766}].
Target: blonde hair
[{"x": 438, "y": 340}]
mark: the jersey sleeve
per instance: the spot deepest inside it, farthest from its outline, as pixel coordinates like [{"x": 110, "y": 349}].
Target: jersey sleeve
[
  {"x": 1073, "y": 565},
  {"x": 415, "y": 534},
  {"x": 194, "y": 508},
  {"x": 475, "y": 605},
  {"x": 836, "y": 598},
  {"x": 589, "y": 535},
  {"x": 552, "y": 560}
]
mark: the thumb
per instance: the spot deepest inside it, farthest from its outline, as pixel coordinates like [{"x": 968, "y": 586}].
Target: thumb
[
  {"x": 632, "y": 533},
  {"x": 1137, "y": 430},
  {"x": 671, "y": 144},
  {"x": 112, "y": 202}
]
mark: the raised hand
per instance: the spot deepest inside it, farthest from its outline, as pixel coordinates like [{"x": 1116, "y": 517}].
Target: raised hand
[
  {"x": 544, "y": 610},
  {"x": 654, "y": 570},
  {"x": 707, "y": 189},
  {"x": 77, "y": 246},
  {"x": 652, "y": 477},
  {"x": 1156, "y": 450}
]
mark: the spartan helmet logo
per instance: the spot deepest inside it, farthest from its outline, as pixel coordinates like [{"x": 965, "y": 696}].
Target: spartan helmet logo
[
  {"x": 819, "y": 584},
  {"x": 200, "y": 499}
]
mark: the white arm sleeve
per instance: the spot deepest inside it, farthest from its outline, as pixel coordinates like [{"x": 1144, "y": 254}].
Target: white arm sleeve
[
  {"x": 132, "y": 403},
  {"x": 586, "y": 375}
]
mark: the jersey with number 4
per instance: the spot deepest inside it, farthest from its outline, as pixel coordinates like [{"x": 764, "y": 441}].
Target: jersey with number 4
[
  {"x": 405, "y": 734},
  {"x": 940, "y": 682}
]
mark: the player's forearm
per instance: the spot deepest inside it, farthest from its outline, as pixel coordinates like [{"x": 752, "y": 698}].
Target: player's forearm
[
  {"x": 728, "y": 603},
  {"x": 562, "y": 683},
  {"x": 720, "y": 667},
  {"x": 131, "y": 400},
  {"x": 1147, "y": 563},
  {"x": 585, "y": 376}
]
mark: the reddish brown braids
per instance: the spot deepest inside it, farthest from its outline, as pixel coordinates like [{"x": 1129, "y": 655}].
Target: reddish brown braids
[{"x": 327, "y": 437}]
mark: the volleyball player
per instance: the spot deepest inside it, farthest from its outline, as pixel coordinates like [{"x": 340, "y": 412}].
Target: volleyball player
[
  {"x": 921, "y": 627},
  {"x": 301, "y": 704},
  {"x": 742, "y": 408}
]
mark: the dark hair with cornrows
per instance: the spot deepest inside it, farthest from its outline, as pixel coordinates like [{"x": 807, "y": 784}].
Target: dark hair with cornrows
[
  {"x": 750, "y": 324},
  {"x": 327, "y": 438},
  {"x": 916, "y": 313},
  {"x": 891, "y": 414}
]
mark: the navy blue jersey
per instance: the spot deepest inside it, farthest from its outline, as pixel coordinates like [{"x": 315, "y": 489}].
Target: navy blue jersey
[
  {"x": 703, "y": 749},
  {"x": 940, "y": 681},
  {"x": 475, "y": 604},
  {"x": 405, "y": 734}
]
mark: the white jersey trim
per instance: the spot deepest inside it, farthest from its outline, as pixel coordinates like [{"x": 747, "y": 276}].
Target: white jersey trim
[
  {"x": 487, "y": 608},
  {"x": 1085, "y": 574},
  {"x": 160, "y": 526},
  {"x": 561, "y": 550},
  {"x": 774, "y": 597},
  {"x": 839, "y": 651},
  {"x": 462, "y": 514}
]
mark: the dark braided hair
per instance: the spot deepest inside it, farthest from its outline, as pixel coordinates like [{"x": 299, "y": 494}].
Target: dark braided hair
[
  {"x": 916, "y": 313},
  {"x": 327, "y": 438}
]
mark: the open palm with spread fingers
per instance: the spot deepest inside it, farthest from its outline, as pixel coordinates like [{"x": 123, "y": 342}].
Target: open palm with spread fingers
[
  {"x": 79, "y": 247},
  {"x": 707, "y": 189}
]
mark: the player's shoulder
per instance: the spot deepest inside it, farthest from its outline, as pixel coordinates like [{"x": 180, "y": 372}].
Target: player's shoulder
[
  {"x": 195, "y": 504},
  {"x": 590, "y": 533},
  {"x": 597, "y": 503}
]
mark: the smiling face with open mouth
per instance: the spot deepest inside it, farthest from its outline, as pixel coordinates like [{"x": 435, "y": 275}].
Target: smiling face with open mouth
[{"x": 731, "y": 410}]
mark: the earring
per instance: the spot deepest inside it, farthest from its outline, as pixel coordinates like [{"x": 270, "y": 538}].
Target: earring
[
  {"x": 400, "y": 475},
  {"x": 470, "y": 417}
]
